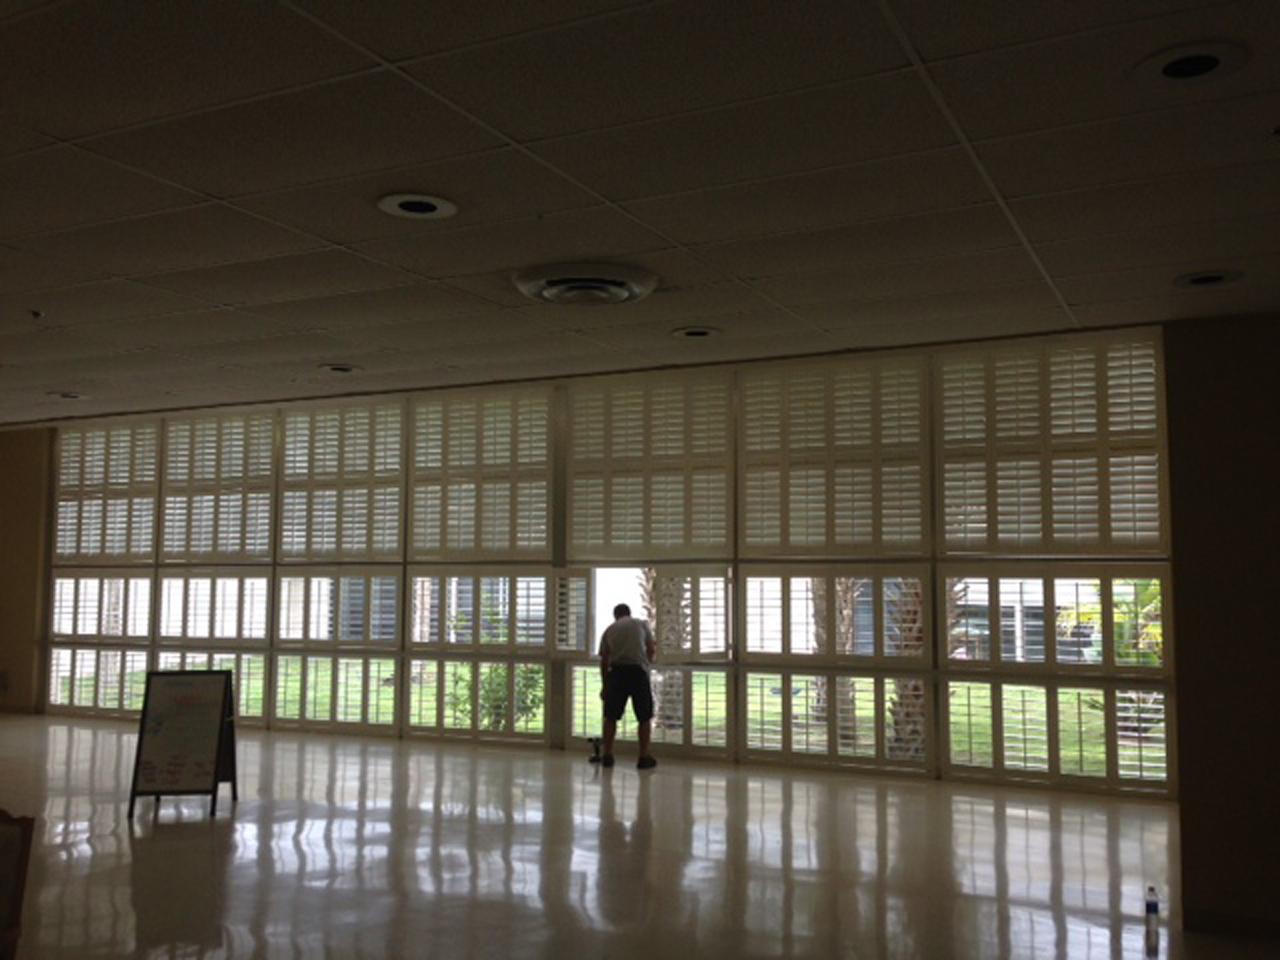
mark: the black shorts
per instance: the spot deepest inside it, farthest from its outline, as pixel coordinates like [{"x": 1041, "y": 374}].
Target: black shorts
[{"x": 626, "y": 681}]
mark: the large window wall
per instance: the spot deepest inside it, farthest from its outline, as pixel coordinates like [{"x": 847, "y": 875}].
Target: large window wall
[{"x": 948, "y": 561}]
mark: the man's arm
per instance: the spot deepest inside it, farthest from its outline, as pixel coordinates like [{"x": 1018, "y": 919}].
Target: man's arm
[{"x": 604, "y": 659}]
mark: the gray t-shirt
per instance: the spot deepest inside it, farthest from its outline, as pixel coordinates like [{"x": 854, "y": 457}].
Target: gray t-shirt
[{"x": 625, "y": 642}]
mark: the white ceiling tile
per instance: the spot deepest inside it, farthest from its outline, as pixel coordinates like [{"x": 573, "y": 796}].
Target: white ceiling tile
[
  {"x": 1092, "y": 77},
  {"x": 65, "y": 187},
  {"x": 339, "y": 129},
  {"x": 184, "y": 330},
  {"x": 962, "y": 273},
  {"x": 1231, "y": 193},
  {"x": 908, "y": 332},
  {"x": 654, "y": 336},
  {"x": 946, "y": 29},
  {"x": 295, "y": 277},
  {"x": 660, "y": 60},
  {"x": 84, "y": 67},
  {"x": 832, "y": 126},
  {"x": 23, "y": 270},
  {"x": 1213, "y": 243},
  {"x": 399, "y": 29},
  {"x": 873, "y": 190},
  {"x": 15, "y": 138},
  {"x": 1007, "y": 304},
  {"x": 589, "y": 234},
  {"x": 1261, "y": 279},
  {"x": 1191, "y": 305},
  {"x": 89, "y": 303},
  {"x": 184, "y": 239},
  {"x": 436, "y": 334},
  {"x": 502, "y": 185},
  {"x": 1135, "y": 148},
  {"x": 414, "y": 303},
  {"x": 883, "y": 241}
]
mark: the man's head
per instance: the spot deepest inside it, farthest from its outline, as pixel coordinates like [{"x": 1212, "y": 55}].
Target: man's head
[{"x": 620, "y": 611}]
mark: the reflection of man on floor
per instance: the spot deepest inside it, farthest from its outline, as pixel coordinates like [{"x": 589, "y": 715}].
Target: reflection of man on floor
[
  {"x": 626, "y": 883},
  {"x": 626, "y": 650}
]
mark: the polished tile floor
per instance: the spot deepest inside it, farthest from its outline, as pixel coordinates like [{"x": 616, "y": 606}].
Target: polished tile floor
[{"x": 344, "y": 847}]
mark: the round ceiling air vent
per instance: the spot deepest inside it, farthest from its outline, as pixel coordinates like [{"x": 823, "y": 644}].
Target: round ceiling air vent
[
  {"x": 585, "y": 284},
  {"x": 417, "y": 206},
  {"x": 1192, "y": 63}
]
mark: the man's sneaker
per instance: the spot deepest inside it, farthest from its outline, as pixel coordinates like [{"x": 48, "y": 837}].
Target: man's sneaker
[
  {"x": 646, "y": 763},
  {"x": 606, "y": 760}
]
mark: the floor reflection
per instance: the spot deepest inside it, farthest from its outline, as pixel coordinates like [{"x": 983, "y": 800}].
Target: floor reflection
[{"x": 343, "y": 847}]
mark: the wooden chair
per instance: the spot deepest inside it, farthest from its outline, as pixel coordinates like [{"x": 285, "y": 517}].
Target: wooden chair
[{"x": 15, "y": 854}]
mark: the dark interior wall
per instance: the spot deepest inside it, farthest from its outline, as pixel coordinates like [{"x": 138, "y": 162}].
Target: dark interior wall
[
  {"x": 24, "y": 516},
  {"x": 1223, "y": 385}
]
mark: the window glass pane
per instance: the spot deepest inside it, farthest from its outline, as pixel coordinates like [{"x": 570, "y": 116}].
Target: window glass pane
[
  {"x": 385, "y": 605},
  {"x": 494, "y": 697},
  {"x": 710, "y": 708},
  {"x": 968, "y": 619},
  {"x": 495, "y": 607},
  {"x": 903, "y": 617},
  {"x": 351, "y": 609},
  {"x": 1078, "y": 620},
  {"x": 1022, "y": 620},
  {"x": 531, "y": 610},
  {"x": 382, "y": 691},
  {"x": 461, "y": 605},
  {"x": 809, "y": 706},
  {"x": 423, "y": 693},
  {"x": 226, "y": 608},
  {"x": 808, "y": 614},
  {"x": 458, "y": 700},
  {"x": 855, "y": 616},
  {"x": 289, "y": 687},
  {"x": 1082, "y": 732},
  {"x": 969, "y": 720},
  {"x": 531, "y": 690},
  {"x": 764, "y": 711},
  {"x": 1137, "y": 615},
  {"x": 905, "y": 720},
  {"x": 319, "y": 696},
  {"x": 856, "y": 717},
  {"x": 713, "y": 632},
  {"x": 764, "y": 615},
  {"x": 426, "y": 611},
  {"x": 255, "y": 609},
  {"x": 320, "y": 612},
  {"x": 1025, "y": 728},
  {"x": 1140, "y": 735}
]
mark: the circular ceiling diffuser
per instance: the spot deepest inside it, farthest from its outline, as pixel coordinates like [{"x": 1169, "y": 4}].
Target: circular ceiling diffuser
[
  {"x": 417, "y": 206},
  {"x": 1192, "y": 62},
  {"x": 695, "y": 332},
  {"x": 1202, "y": 279},
  {"x": 586, "y": 284}
]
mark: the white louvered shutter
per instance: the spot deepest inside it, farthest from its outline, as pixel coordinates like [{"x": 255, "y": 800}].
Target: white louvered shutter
[
  {"x": 1051, "y": 447},
  {"x": 106, "y": 493},
  {"x": 833, "y": 458},
  {"x": 649, "y": 467},
  {"x": 481, "y": 473},
  {"x": 342, "y": 483},
  {"x": 218, "y": 485}
]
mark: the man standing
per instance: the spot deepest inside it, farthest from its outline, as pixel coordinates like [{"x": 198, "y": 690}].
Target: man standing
[{"x": 626, "y": 650}]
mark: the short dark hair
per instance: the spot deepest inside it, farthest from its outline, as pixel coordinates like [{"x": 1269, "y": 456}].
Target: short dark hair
[{"x": 621, "y": 610}]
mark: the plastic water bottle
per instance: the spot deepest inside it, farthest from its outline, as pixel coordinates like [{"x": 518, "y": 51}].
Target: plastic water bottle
[{"x": 1153, "y": 922}]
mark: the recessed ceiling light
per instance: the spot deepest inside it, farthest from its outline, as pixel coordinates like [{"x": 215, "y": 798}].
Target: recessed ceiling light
[
  {"x": 65, "y": 395},
  {"x": 694, "y": 333},
  {"x": 1192, "y": 62},
  {"x": 1200, "y": 279},
  {"x": 417, "y": 206},
  {"x": 339, "y": 367},
  {"x": 586, "y": 284}
]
